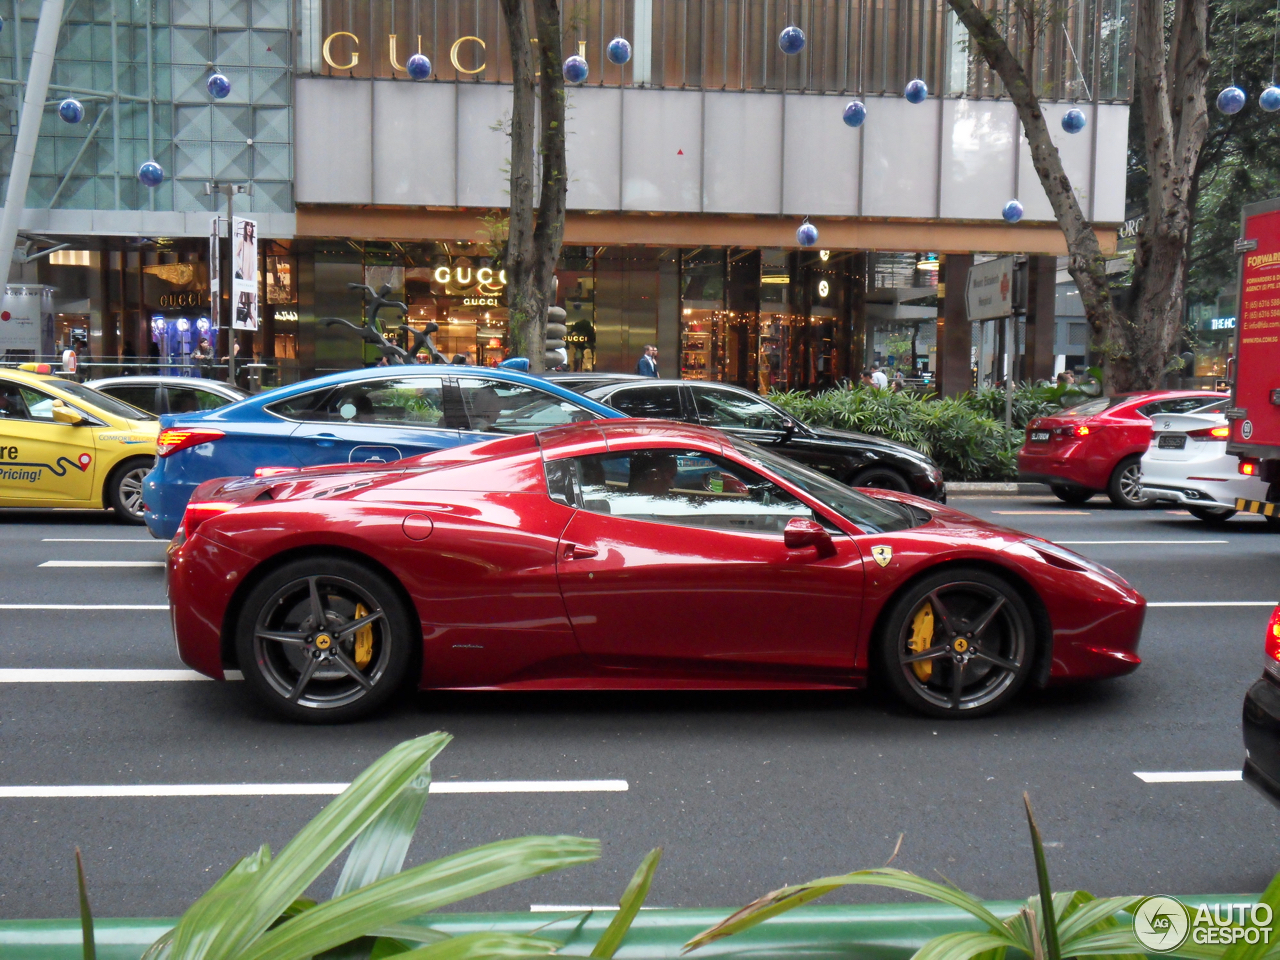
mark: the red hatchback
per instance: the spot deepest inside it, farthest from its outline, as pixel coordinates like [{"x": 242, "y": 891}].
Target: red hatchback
[{"x": 1098, "y": 445}]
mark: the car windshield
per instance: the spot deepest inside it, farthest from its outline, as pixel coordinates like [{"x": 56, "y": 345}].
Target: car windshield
[
  {"x": 103, "y": 402},
  {"x": 868, "y": 514}
]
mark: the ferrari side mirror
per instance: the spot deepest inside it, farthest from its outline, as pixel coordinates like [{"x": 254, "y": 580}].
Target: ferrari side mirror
[{"x": 800, "y": 533}]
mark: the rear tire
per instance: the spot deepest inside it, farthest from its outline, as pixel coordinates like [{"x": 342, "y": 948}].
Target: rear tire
[
  {"x": 124, "y": 489},
  {"x": 1212, "y": 514},
  {"x": 1125, "y": 485},
  {"x": 1072, "y": 495},
  {"x": 881, "y": 478},
  {"x": 316, "y": 668},
  {"x": 959, "y": 643}
]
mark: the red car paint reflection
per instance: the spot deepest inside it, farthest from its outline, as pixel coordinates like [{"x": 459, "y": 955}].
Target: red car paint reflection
[{"x": 574, "y": 559}]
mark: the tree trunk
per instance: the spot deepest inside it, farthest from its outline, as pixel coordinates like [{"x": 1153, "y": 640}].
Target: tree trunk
[
  {"x": 533, "y": 242},
  {"x": 1135, "y": 344}
]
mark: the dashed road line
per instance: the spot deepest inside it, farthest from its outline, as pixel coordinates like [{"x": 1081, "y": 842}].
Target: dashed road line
[
  {"x": 84, "y": 606},
  {"x": 89, "y": 675},
  {"x": 160, "y": 543},
  {"x": 101, "y": 791},
  {"x": 80, "y": 564},
  {"x": 1211, "y": 603},
  {"x": 1100, "y": 542},
  {"x": 1042, "y": 513},
  {"x": 1189, "y": 776}
]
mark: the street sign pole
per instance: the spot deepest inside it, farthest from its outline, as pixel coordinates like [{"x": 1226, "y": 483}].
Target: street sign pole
[{"x": 226, "y": 270}]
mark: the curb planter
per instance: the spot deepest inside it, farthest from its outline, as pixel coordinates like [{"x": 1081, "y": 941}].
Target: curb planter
[{"x": 864, "y": 932}]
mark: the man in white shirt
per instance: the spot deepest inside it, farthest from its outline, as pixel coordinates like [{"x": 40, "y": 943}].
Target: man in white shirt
[{"x": 878, "y": 377}]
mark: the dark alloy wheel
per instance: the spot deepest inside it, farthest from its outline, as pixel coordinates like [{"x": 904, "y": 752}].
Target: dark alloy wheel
[
  {"x": 1125, "y": 486},
  {"x": 324, "y": 640},
  {"x": 124, "y": 490},
  {"x": 960, "y": 643},
  {"x": 881, "y": 478},
  {"x": 1212, "y": 514},
  {"x": 1072, "y": 495}
]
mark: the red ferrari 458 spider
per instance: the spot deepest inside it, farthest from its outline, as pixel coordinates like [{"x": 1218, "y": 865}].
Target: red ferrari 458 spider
[{"x": 629, "y": 554}]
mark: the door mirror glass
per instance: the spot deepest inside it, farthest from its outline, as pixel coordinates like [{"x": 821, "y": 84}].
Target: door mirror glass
[{"x": 64, "y": 414}]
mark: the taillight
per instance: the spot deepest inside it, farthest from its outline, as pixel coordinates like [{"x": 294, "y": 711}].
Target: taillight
[
  {"x": 198, "y": 512},
  {"x": 1210, "y": 433},
  {"x": 274, "y": 471},
  {"x": 1250, "y": 467},
  {"x": 1273, "y": 642},
  {"x": 173, "y": 439},
  {"x": 1079, "y": 430}
]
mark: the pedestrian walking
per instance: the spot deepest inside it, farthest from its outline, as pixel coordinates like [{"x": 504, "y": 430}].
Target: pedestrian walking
[{"x": 647, "y": 365}]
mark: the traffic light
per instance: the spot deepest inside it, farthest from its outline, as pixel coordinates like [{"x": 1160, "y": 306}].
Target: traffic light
[{"x": 555, "y": 354}]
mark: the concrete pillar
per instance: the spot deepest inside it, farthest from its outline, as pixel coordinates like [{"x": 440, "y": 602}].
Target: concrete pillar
[
  {"x": 1042, "y": 277},
  {"x": 955, "y": 376}
]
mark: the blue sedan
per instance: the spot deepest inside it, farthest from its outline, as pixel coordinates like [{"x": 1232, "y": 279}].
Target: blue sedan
[{"x": 375, "y": 415}]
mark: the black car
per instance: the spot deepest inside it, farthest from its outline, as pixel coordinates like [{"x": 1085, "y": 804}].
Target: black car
[
  {"x": 853, "y": 458},
  {"x": 1262, "y": 720}
]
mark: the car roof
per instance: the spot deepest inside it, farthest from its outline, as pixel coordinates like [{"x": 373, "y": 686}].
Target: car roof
[
  {"x": 626, "y": 434},
  {"x": 169, "y": 381}
]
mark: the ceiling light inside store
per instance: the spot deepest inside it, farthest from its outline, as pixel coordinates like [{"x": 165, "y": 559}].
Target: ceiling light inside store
[
  {"x": 928, "y": 265},
  {"x": 824, "y": 255},
  {"x": 775, "y": 278}
]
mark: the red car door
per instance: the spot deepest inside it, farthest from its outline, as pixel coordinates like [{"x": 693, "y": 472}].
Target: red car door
[{"x": 675, "y": 564}]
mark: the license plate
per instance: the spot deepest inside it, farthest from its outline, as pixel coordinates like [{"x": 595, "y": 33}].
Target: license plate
[
  {"x": 1174, "y": 442},
  {"x": 1039, "y": 436}
]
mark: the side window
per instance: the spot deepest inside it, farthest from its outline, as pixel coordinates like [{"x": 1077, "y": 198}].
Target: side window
[
  {"x": 192, "y": 399},
  {"x": 400, "y": 401},
  {"x": 684, "y": 487},
  {"x": 728, "y": 408},
  {"x": 39, "y": 405},
  {"x": 136, "y": 395},
  {"x": 502, "y": 407},
  {"x": 658, "y": 403},
  {"x": 12, "y": 404},
  {"x": 562, "y": 482},
  {"x": 1175, "y": 405}
]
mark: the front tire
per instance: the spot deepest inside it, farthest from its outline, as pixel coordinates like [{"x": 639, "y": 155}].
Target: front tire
[
  {"x": 881, "y": 478},
  {"x": 324, "y": 640},
  {"x": 1212, "y": 514},
  {"x": 1125, "y": 486},
  {"x": 124, "y": 490},
  {"x": 959, "y": 643}
]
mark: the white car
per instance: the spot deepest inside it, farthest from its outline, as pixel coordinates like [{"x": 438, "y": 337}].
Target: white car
[{"x": 1187, "y": 463}]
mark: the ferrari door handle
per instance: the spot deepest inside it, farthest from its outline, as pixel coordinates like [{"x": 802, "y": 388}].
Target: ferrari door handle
[{"x": 574, "y": 551}]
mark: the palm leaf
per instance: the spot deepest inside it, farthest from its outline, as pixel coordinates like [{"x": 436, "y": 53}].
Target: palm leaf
[
  {"x": 1048, "y": 923},
  {"x": 632, "y": 899},
  {"x": 1240, "y": 950},
  {"x": 484, "y": 946},
  {"x": 788, "y": 898},
  {"x": 90, "y": 948},
  {"x": 380, "y": 849},
  {"x": 196, "y": 934},
  {"x": 417, "y": 891},
  {"x": 1091, "y": 915},
  {"x": 314, "y": 848},
  {"x": 965, "y": 946}
]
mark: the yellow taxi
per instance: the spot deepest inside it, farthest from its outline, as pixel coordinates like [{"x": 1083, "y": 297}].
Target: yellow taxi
[{"x": 67, "y": 445}]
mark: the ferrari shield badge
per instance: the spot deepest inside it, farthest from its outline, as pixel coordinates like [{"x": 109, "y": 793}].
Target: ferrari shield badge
[{"x": 883, "y": 554}]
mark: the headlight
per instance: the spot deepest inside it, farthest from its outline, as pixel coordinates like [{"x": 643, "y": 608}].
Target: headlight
[{"x": 1070, "y": 560}]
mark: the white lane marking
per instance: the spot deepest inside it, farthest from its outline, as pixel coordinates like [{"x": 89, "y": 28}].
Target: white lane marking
[
  {"x": 84, "y": 606},
  {"x": 161, "y": 543},
  {"x": 1079, "y": 542},
  {"x": 1042, "y": 513},
  {"x": 103, "y": 563},
  {"x": 301, "y": 789},
  {"x": 86, "y": 675},
  {"x": 1213, "y": 603},
  {"x": 1190, "y": 776}
]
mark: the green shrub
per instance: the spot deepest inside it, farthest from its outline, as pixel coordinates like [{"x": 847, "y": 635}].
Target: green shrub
[{"x": 964, "y": 435}]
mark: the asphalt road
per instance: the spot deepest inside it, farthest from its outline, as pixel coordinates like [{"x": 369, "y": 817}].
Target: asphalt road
[{"x": 746, "y": 792}]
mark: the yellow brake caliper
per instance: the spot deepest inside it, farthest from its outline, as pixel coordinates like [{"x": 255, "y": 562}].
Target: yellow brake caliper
[
  {"x": 364, "y": 639},
  {"x": 921, "y": 640}
]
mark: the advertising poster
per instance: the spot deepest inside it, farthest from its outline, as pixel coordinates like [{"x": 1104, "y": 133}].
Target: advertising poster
[
  {"x": 1258, "y": 329},
  {"x": 244, "y": 281},
  {"x": 215, "y": 272}
]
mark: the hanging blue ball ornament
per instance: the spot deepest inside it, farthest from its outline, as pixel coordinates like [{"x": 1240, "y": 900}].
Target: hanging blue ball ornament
[
  {"x": 218, "y": 85},
  {"x": 1231, "y": 100},
  {"x": 1073, "y": 121},
  {"x": 418, "y": 67},
  {"x": 1012, "y": 211},
  {"x": 807, "y": 234},
  {"x": 916, "y": 91},
  {"x": 576, "y": 69},
  {"x": 791, "y": 41},
  {"x": 854, "y": 113},
  {"x": 1269, "y": 99},
  {"x": 618, "y": 51},
  {"x": 71, "y": 111},
  {"x": 151, "y": 174}
]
